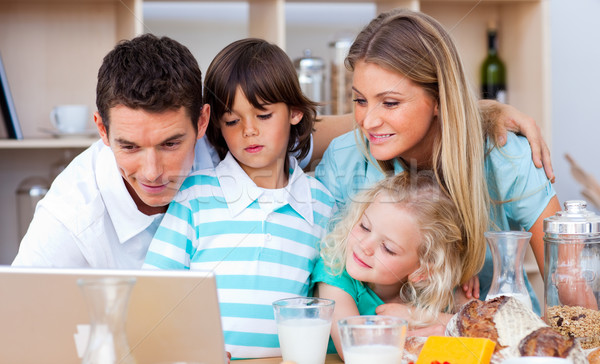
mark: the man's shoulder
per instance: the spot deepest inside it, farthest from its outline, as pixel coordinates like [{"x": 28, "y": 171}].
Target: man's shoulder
[{"x": 74, "y": 193}]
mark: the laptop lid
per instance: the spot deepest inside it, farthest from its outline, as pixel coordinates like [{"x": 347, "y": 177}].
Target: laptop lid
[{"x": 172, "y": 315}]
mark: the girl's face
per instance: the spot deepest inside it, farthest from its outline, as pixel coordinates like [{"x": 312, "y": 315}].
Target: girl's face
[
  {"x": 258, "y": 139},
  {"x": 396, "y": 115},
  {"x": 382, "y": 246}
]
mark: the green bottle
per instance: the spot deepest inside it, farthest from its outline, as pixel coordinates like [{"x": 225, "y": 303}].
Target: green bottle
[{"x": 493, "y": 72}]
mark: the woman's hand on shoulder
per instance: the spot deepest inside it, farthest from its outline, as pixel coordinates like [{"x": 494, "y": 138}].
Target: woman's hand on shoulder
[{"x": 500, "y": 118}]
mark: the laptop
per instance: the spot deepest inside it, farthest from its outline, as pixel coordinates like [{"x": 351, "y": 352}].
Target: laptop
[{"x": 172, "y": 316}]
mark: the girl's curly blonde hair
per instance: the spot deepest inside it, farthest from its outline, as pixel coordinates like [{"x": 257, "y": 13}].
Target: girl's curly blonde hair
[{"x": 440, "y": 250}]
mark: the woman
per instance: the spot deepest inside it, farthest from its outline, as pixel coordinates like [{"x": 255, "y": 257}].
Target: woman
[{"x": 414, "y": 110}]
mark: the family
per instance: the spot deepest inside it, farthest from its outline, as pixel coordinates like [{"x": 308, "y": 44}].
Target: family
[{"x": 210, "y": 176}]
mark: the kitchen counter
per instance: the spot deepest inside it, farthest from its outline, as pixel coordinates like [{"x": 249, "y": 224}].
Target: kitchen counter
[{"x": 331, "y": 359}]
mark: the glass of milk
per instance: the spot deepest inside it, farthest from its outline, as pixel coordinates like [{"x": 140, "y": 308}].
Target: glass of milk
[
  {"x": 372, "y": 339},
  {"x": 303, "y": 326}
]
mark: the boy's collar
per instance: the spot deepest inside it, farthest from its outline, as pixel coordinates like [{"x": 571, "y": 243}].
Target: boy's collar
[{"x": 240, "y": 191}]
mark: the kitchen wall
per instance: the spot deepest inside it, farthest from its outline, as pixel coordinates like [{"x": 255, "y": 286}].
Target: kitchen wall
[
  {"x": 207, "y": 27},
  {"x": 575, "y": 53}
]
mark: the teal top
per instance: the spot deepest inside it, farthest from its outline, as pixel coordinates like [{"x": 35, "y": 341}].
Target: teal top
[
  {"x": 510, "y": 174},
  {"x": 366, "y": 300}
]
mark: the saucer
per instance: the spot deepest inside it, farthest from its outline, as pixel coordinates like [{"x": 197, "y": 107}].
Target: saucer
[{"x": 88, "y": 133}]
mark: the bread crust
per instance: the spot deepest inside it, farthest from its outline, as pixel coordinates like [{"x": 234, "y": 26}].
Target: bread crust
[{"x": 545, "y": 341}]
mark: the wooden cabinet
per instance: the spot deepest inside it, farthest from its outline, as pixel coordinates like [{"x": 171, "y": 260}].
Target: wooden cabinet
[{"x": 52, "y": 50}]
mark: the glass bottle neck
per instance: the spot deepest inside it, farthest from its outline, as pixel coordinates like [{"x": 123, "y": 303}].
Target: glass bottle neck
[{"x": 492, "y": 42}]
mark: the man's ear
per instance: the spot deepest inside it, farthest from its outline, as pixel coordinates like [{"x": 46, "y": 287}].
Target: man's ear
[
  {"x": 296, "y": 116},
  {"x": 203, "y": 120},
  {"x": 101, "y": 128}
]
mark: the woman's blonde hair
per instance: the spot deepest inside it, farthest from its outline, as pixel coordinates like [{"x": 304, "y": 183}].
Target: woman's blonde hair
[
  {"x": 416, "y": 46},
  {"x": 440, "y": 250}
]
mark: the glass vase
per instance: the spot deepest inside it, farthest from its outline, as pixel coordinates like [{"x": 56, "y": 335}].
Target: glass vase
[
  {"x": 107, "y": 300},
  {"x": 508, "y": 254}
]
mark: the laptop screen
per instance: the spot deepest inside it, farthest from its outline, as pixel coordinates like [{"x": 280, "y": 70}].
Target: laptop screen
[{"x": 172, "y": 315}]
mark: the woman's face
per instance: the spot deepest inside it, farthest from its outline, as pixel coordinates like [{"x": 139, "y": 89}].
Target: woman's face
[{"x": 397, "y": 116}]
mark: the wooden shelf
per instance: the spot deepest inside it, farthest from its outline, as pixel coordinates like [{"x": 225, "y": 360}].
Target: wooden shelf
[{"x": 49, "y": 143}]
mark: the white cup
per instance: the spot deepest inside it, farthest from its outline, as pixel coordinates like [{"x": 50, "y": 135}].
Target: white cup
[
  {"x": 372, "y": 339},
  {"x": 303, "y": 327},
  {"x": 70, "y": 119}
]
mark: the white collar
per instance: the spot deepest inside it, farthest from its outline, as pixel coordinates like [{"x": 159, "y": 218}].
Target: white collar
[
  {"x": 240, "y": 191},
  {"x": 127, "y": 220}
]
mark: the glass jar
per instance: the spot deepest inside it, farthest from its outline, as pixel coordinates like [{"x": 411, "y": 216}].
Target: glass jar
[
  {"x": 29, "y": 192},
  {"x": 341, "y": 77},
  {"x": 572, "y": 273},
  {"x": 311, "y": 76}
]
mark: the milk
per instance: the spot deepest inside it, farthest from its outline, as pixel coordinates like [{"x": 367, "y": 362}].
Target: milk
[
  {"x": 304, "y": 341},
  {"x": 369, "y": 354}
]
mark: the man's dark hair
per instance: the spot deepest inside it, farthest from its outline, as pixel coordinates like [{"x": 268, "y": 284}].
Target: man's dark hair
[{"x": 151, "y": 73}]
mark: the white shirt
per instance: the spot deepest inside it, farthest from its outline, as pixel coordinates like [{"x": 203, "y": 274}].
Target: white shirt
[{"x": 88, "y": 218}]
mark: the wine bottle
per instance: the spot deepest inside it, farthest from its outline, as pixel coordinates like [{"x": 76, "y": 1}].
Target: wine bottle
[{"x": 493, "y": 72}]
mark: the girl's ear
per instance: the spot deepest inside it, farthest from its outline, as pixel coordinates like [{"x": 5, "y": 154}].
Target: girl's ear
[
  {"x": 296, "y": 116},
  {"x": 418, "y": 275}
]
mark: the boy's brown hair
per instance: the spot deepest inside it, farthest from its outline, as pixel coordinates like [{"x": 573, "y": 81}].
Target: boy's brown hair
[{"x": 265, "y": 74}]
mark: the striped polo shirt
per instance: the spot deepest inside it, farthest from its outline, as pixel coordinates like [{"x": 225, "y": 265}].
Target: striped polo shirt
[{"x": 262, "y": 245}]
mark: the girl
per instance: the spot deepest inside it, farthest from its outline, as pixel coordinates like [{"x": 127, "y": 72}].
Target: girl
[
  {"x": 398, "y": 242},
  {"x": 414, "y": 110},
  {"x": 256, "y": 219}
]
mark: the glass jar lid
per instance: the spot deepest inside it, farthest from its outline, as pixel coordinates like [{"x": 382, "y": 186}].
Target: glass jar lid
[
  {"x": 575, "y": 219},
  {"x": 309, "y": 63}
]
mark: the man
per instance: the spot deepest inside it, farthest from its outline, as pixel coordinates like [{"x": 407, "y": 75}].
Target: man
[{"x": 104, "y": 208}]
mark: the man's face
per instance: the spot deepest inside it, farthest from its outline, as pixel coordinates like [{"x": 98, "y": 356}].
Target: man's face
[{"x": 154, "y": 151}]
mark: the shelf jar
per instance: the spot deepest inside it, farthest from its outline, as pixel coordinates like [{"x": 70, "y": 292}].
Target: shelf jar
[{"x": 572, "y": 273}]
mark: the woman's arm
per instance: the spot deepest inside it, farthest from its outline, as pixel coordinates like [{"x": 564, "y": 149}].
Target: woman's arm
[
  {"x": 328, "y": 128},
  {"x": 344, "y": 307},
  {"x": 537, "y": 232}
]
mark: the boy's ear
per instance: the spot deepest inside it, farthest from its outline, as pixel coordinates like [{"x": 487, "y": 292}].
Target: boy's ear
[
  {"x": 101, "y": 128},
  {"x": 296, "y": 116},
  {"x": 203, "y": 120}
]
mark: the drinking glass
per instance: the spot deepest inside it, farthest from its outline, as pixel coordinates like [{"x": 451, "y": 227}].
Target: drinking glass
[
  {"x": 372, "y": 339},
  {"x": 303, "y": 327}
]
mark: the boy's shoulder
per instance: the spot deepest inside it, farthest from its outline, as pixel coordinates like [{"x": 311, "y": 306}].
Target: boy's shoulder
[
  {"x": 198, "y": 185},
  {"x": 200, "y": 177}
]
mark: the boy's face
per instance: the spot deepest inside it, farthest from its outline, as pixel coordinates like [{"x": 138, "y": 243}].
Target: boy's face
[
  {"x": 258, "y": 139},
  {"x": 154, "y": 151}
]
